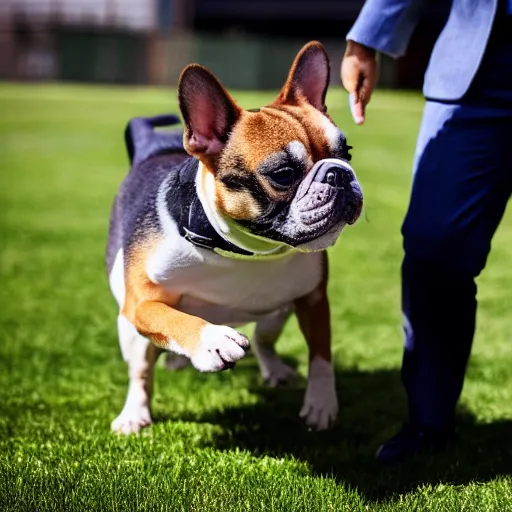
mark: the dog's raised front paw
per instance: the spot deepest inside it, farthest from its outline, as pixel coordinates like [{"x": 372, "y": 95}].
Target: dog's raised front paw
[
  {"x": 320, "y": 408},
  {"x": 219, "y": 348},
  {"x": 130, "y": 421}
]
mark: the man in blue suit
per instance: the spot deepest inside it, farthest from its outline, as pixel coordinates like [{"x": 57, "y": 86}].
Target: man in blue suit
[{"x": 462, "y": 182}]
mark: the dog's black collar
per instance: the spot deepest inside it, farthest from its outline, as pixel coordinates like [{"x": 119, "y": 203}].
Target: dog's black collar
[{"x": 186, "y": 209}]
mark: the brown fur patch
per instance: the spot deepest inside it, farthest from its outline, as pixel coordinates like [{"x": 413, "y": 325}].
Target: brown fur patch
[
  {"x": 257, "y": 135},
  {"x": 313, "y": 124},
  {"x": 238, "y": 205},
  {"x": 314, "y": 317},
  {"x": 149, "y": 307}
]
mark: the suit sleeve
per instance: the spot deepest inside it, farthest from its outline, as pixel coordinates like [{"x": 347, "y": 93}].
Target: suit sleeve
[{"x": 386, "y": 25}]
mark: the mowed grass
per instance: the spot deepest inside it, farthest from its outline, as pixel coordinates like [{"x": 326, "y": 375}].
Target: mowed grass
[{"x": 221, "y": 442}]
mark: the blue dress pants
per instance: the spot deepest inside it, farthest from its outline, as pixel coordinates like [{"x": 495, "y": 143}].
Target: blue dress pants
[
  {"x": 461, "y": 185},
  {"x": 462, "y": 182}
]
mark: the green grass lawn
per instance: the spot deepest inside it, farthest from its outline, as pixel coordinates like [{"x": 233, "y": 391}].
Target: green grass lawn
[{"x": 221, "y": 442}]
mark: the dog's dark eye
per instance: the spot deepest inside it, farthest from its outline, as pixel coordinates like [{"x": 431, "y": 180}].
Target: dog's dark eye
[{"x": 283, "y": 178}]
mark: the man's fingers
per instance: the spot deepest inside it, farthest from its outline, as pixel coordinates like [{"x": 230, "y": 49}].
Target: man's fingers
[
  {"x": 352, "y": 78},
  {"x": 366, "y": 86},
  {"x": 350, "y": 73},
  {"x": 356, "y": 109},
  {"x": 358, "y": 76}
]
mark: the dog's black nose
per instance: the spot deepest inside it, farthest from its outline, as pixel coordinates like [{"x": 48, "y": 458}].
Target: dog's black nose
[{"x": 335, "y": 175}]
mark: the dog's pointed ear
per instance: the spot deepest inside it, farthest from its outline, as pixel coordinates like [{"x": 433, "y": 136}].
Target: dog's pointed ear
[
  {"x": 208, "y": 111},
  {"x": 308, "y": 78}
]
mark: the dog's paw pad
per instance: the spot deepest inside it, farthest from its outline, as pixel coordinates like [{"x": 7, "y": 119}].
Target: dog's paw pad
[
  {"x": 219, "y": 348},
  {"x": 131, "y": 422}
]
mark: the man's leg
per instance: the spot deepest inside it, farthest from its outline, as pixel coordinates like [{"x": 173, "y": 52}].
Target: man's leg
[{"x": 461, "y": 185}]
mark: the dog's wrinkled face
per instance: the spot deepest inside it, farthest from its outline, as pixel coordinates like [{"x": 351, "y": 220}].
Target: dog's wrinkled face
[{"x": 280, "y": 172}]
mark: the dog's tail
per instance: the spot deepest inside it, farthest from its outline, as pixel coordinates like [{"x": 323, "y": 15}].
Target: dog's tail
[{"x": 142, "y": 141}]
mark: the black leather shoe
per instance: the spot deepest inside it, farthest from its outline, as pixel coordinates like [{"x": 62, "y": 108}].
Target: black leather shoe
[{"x": 411, "y": 441}]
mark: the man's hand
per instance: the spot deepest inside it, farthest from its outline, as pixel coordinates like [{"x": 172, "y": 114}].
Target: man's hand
[{"x": 358, "y": 75}]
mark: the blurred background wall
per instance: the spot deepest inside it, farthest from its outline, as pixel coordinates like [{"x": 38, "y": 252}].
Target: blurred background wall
[{"x": 249, "y": 44}]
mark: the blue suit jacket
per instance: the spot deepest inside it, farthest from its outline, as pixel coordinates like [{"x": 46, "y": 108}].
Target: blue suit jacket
[{"x": 387, "y": 25}]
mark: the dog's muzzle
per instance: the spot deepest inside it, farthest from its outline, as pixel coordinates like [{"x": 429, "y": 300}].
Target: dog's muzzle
[
  {"x": 326, "y": 201},
  {"x": 329, "y": 192}
]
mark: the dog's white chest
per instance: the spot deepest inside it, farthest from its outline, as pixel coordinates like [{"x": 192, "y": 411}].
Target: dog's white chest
[{"x": 231, "y": 291}]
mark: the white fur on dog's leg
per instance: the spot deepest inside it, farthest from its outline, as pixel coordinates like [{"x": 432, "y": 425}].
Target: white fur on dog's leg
[
  {"x": 141, "y": 357},
  {"x": 273, "y": 371},
  {"x": 135, "y": 414},
  {"x": 320, "y": 407},
  {"x": 219, "y": 348},
  {"x": 175, "y": 362}
]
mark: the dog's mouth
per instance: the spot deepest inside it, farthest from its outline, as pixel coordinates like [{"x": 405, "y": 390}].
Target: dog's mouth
[{"x": 328, "y": 199}]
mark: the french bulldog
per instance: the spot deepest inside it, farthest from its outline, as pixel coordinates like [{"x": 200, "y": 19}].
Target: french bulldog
[{"x": 226, "y": 223}]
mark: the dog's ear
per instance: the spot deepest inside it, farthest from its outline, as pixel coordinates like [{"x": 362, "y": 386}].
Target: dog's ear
[
  {"x": 208, "y": 111},
  {"x": 308, "y": 78}
]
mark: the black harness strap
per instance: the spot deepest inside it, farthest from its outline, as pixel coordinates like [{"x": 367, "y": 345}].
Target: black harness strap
[{"x": 188, "y": 212}]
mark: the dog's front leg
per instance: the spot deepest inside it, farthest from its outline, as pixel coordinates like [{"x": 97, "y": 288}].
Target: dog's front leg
[
  {"x": 320, "y": 407},
  {"x": 141, "y": 356},
  {"x": 210, "y": 347}
]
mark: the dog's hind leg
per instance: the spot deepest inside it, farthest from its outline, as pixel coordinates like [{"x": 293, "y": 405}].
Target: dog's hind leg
[
  {"x": 320, "y": 407},
  {"x": 175, "y": 362},
  {"x": 141, "y": 356},
  {"x": 266, "y": 333}
]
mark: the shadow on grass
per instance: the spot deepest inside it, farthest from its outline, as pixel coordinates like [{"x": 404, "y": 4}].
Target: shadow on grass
[{"x": 371, "y": 410}]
